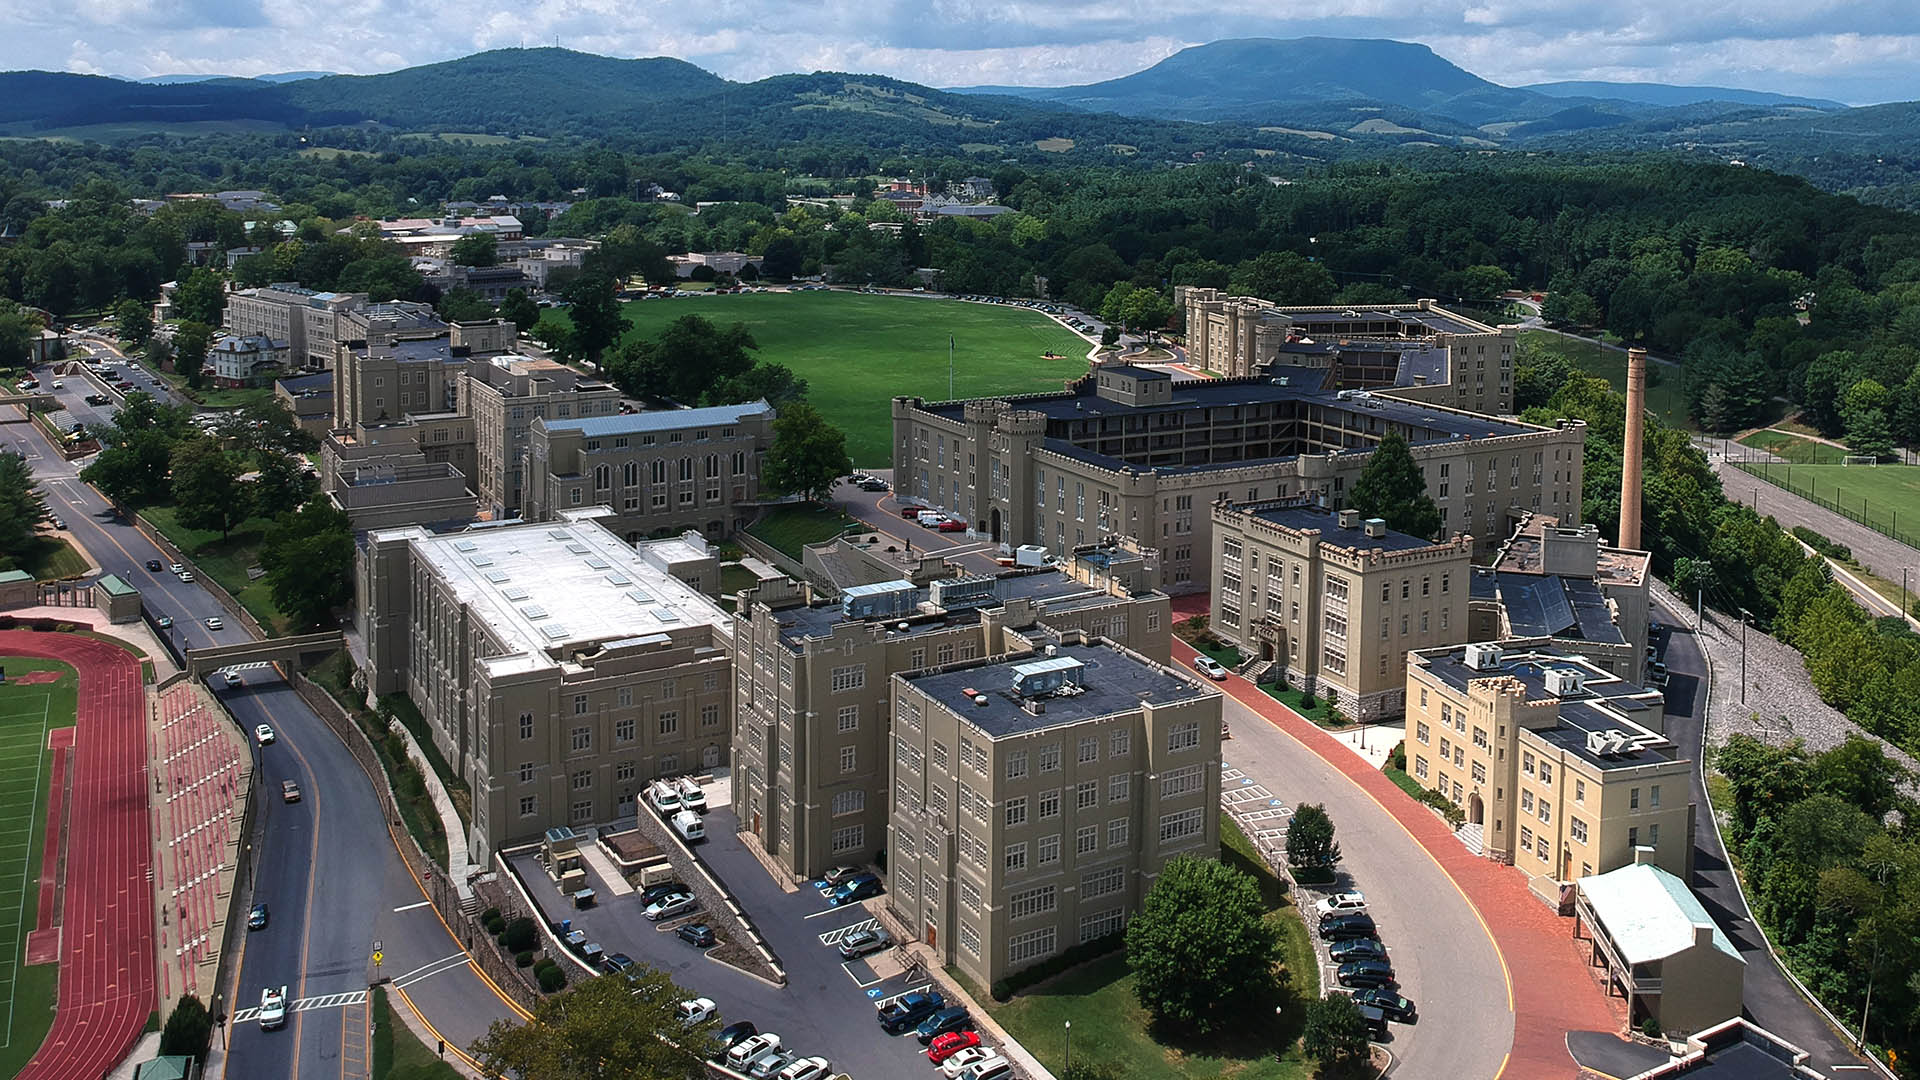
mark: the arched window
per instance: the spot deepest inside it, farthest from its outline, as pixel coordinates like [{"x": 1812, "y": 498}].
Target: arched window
[{"x": 602, "y": 477}]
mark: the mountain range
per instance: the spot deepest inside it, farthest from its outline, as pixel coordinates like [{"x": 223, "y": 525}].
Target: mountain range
[{"x": 1303, "y": 99}]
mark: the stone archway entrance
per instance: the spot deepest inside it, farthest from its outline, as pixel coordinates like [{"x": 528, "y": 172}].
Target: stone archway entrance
[
  {"x": 993, "y": 524},
  {"x": 1476, "y": 810}
]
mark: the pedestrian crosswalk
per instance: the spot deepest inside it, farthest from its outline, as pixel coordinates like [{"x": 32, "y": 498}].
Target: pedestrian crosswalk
[{"x": 325, "y": 1001}]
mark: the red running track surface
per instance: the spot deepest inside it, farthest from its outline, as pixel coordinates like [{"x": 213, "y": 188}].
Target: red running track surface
[{"x": 107, "y": 947}]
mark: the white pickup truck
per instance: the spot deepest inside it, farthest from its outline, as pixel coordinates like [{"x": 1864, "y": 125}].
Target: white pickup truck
[{"x": 273, "y": 1008}]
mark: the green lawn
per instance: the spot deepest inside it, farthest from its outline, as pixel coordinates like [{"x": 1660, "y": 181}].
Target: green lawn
[
  {"x": 27, "y": 994},
  {"x": 790, "y": 528},
  {"x": 1404, "y": 782},
  {"x": 50, "y": 558},
  {"x": 1885, "y": 498},
  {"x": 857, "y": 351},
  {"x": 1793, "y": 448},
  {"x": 409, "y": 716},
  {"x": 1112, "y": 1031},
  {"x": 1665, "y": 396},
  {"x": 1322, "y": 713},
  {"x": 397, "y": 1053},
  {"x": 225, "y": 561}
]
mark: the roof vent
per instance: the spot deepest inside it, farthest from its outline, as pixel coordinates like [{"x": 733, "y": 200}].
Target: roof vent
[
  {"x": 1483, "y": 657},
  {"x": 1597, "y": 743},
  {"x": 1349, "y": 519},
  {"x": 1377, "y": 527},
  {"x": 980, "y": 700},
  {"x": 1045, "y": 676}
]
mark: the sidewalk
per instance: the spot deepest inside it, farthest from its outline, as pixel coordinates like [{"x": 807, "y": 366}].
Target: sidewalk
[
  {"x": 1551, "y": 991},
  {"x": 459, "y": 864}
]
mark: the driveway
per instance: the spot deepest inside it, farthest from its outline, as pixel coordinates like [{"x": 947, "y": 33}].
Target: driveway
[{"x": 1771, "y": 999}]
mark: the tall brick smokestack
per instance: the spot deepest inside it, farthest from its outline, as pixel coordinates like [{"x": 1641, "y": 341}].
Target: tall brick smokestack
[{"x": 1630, "y": 453}]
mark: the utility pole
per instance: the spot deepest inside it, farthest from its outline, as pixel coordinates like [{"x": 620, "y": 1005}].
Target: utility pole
[
  {"x": 950, "y": 367},
  {"x": 1743, "y": 655}
]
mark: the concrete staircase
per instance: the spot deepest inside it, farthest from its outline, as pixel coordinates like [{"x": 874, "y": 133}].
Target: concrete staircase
[
  {"x": 1473, "y": 836},
  {"x": 1255, "y": 670}
]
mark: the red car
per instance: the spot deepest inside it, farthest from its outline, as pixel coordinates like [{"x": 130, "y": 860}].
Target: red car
[
  {"x": 911, "y": 512},
  {"x": 951, "y": 525},
  {"x": 945, "y": 1046}
]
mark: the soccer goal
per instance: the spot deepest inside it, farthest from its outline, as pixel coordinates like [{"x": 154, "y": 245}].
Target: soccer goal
[{"x": 1860, "y": 459}]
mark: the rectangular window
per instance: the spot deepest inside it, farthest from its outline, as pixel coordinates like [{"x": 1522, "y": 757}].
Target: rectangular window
[
  {"x": 582, "y": 739},
  {"x": 849, "y": 758},
  {"x": 849, "y": 838},
  {"x": 709, "y": 716},
  {"x": 1050, "y": 758},
  {"x": 970, "y": 896},
  {"x": 1030, "y": 902},
  {"x": 582, "y": 780},
  {"x": 849, "y": 802},
  {"x": 1016, "y": 809},
  {"x": 1086, "y": 840},
  {"x": 1184, "y": 780},
  {"x": 849, "y": 719},
  {"x": 1099, "y": 924},
  {"x": 1421, "y": 731},
  {"x": 1048, "y": 849},
  {"x": 1049, "y": 804},
  {"x": 526, "y": 772},
  {"x": 1653, "y": 836},
  {"x": 1017, "y": 763},
  {"x": 581, "y": 812},
  {"x": 1120, "y": 743},
  {"x": 526, "y": 725},
  {"x": 1526, "y": 838},
  {"x": 1015, "y": 859},
  {"x": 970, "y": 940},
  {"x": 1182, "y": 824},
  {"x": 1117, "y": 832},
  {"x": 1102, "y": 882},
  {"x": 1653, "y": 796},
  {"x": 851, "y": 677},
  {"x": 939, "y": 756},
  {"x": 1119, "y": 787},
  {"x": 1031, "y": 945},
  {"x": 669, "y": 721},
  {"x": 1577, "y": 829},
  {"x": 623, "y": 729},
  {"x": 1183, "y": 737},
  {"x": 1086, "y": 794},
  {"x": 1633, "y": 798},
  {"x": 1090, "y": 751}
]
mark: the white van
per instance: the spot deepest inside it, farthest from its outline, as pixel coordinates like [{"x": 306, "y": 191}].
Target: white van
[
  {"x": 665, "y": 796},
  {"x": 691, "y": 797},
  {"x": 688, "y": 825}
]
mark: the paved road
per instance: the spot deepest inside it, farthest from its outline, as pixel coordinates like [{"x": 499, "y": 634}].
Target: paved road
[
  {"x": 328, "y": 868},
  {"x": 1442, "y": 955},
  {"x": 1771, "y": 999}
]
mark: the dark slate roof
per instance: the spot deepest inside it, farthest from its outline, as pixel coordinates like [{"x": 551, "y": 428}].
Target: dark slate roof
[{"x": 1112, "y": 682}]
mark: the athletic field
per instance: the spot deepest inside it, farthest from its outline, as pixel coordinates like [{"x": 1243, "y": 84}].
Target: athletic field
[
  {"x": 27, "y": 712},
  {"x": 857, "y": 350},
  {"x": 1885, "y": 498}
]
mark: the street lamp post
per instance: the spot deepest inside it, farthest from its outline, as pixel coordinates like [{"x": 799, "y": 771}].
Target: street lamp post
[{"x": 1069, "y": 1068}]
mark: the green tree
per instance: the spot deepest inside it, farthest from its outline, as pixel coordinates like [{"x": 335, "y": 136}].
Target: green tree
[
  {"x": 134, "y": 319},
  {"x": 689, "y": 358},
  {"x": 464, "y": 305},
  {"x": 190, "y": 342},
  {"x": 1570, "y": 307},
  {"x": 207, "y": 490},
  {"x": 200, "y": 297},
  {"x": 807, "y": 456},
  {"x": 282, "y": 484},
  {"x": 597, "y": 318},
  {"x": 1283, "y": 277},
  {"x": 776, "y": 383},
  {"x": 1865, "y": 410},
  {"x": 22, "y": 508},
  {"x": 189, "y": 1027},
  {"x": 602, "y": 1029},
  {"x": 1201, "y": 950},
  {"x": 1310, "y": 842},
  {"x": 308, "y": 556},
  {"x": 519, "y": 309},
  {"x": 18, "y": 329},
  {"x": 1335, "y": 1035},
  {"x": 474, "y": 249},
  {"x": 1391, "y": 487}
]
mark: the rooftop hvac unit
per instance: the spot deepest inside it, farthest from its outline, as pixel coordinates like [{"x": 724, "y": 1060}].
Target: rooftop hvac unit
[
  {"x": 884, "y": 599},
  {"x": 1045, "y": 676},
  {"x": 1376, "y": 527},
  {"x": 1565, "y": 682},
  {"x": 1616, "y": 741},
  {"x": 959, "y": 594},
  {"x": 1597, "y": 742},
  {"x": 1483, "y": 657}
]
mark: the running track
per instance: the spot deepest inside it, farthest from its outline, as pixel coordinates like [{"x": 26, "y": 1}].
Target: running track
[{"x": 107, "y": 936}]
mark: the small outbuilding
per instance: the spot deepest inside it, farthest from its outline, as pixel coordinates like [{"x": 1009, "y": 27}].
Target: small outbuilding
[{"x": 1661, "y": 949}]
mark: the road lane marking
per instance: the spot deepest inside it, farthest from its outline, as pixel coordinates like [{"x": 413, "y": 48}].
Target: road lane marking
[
  {"x": 324, "y": 1001},
  {"x": 410, "y": 907},
  {"x": 430, "y": 963},
  {"x": 463, "y": 961}
]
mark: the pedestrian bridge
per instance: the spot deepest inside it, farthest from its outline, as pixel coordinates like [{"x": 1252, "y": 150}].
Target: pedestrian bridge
[
  {"x": 29, "y": 403},
  {"x": 204, "y": 662}
]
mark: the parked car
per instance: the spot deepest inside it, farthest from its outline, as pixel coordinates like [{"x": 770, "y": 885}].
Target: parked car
[
  {"x": 186, "y": 576},
  {"x": 697, "y": 1011},
  {"x": 766, "y": 1065},
  {"x": 1657, "y": 674},
  {"x": 812, "y": 1068},
  {"x": 751, "y": 1049},
  {"x": 951, "y": 1018},
  {"x": 907, "y": 1010},
  {"x": 688, "y": 825},
  {"x": 1345, "y": 927},
  {"x": 665, "y": 888},
  {"x": 873, "y": 483},
  {"x": 289, "y": 791},
  {"x": 1365, "y": 948},
  {"x": 861, "y": 942},
  {"x": 994, "y": 1068},
  {"x": 1343, "y": 903},
  {"x": 1365, "y": 973},
  {"x": 1208, "y": 666},
  {"x": 735, "y": 1033},
  {"x": 1379, "y": 997},
  {"x": 263, "y": 734},
  {"x": 839, "y": 874},
  {"x": 950, "y": 525},
  {"x": 669, "y": 906},
  {"x": 257, "y": 917},
  {"x": 961, "y": 1059},
  {"x": 177, "y": 568},
  {"x": 911, "y": 513},
  {"x": 665, "y": 796},
  {"x": 616, "y": 963},
  {"x": 951, "y": 1043},
  {"x": 691, "y": 797},
  {"x": 153, "y": 565},
  {"x": 699, "y": 935},
  {"x": 856, "y": 889},
  {"x": 164, "y": 622}
]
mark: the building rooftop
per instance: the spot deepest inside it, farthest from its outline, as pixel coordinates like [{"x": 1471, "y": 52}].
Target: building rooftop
[
  {"x": 544, "y": 587},
  {"x": 1649, "y": 913},
  {"x": 320, "y": 382},
  {"x": 659, "y": 420},
  {"x": 1132, "y": 371},
  {"x": 1051, "y": 588},
  {"x": 1525, "y": 553},
  {"x": 1548, "y": 605},
  {"x": 1603, "y": 703},
  {"x": 1109, "y": 682},
  {"x": 1301, "y": 516}
]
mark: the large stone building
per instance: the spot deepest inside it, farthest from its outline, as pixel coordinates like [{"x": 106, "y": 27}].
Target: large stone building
[
  {"x": 1334, "y": 601},
  {"x": 308, "y": 321},
  {"x": 558, "y": 668},
  {"x": 1037, "y": 795},
  {"x": 812, "y": 736},
  {"x": 1128, "y": 451},
  {"x": 1418, "y": 351},
  {"x": 1564, "y": 766},
  {"x": 661, "y": 472},
  {"x": 506, "y": 395},
  {"x": 1560, "y": 584}
]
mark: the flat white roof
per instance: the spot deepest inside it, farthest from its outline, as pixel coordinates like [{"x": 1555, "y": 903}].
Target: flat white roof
[
  {"x": 560, "y": 584},
  {"x": 1649, "y": 913}
]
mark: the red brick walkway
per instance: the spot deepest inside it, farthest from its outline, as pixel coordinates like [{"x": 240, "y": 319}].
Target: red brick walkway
[{"x": 1551, "y": 989}]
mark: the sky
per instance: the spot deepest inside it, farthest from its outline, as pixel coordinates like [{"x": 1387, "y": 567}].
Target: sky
[{"x": 1857, "y": 51}]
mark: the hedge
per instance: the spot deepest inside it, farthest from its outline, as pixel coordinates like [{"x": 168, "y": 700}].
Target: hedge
[{"x": 1054, "y": 965}]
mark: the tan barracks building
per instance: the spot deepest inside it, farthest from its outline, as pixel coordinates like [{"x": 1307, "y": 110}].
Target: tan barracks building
[
  {"x": 1128, "y": 451},
  {"x": 559, "y": 668},
  {"x": 1419, "y": 351}
]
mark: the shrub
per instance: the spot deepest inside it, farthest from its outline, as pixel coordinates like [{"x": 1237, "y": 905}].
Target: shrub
[
  {"x": 1650, "y": 1027},
  {"x": 8, "y": 622},
  {"x": 523, "y": 959},
  {"x": 1398, "y": 758},
  {"x": 64, "y": 628},
  {"x": 1054, "y": 965},
  {"x": 520, "y": 935},
  {"x": 552, "y": 979},
  {"x": 495, "y": 924},
  {"x": 1823, "y": 545},
  {"x": 44, "y": 626},
  {"x": 490, "y": 914},
  {"x": 188, "y": 1029}
]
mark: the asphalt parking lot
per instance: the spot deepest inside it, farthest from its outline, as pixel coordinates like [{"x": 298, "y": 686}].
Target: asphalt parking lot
[{"x": 826, "y": 1008}]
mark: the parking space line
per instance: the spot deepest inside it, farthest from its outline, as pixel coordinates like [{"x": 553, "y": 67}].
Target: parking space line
[
  {"x": 829, "y": 911},
  {"x": 848, "y": 968},
  {"x": 886, "y": 1001},
  {"x": 832, "y": 937}
]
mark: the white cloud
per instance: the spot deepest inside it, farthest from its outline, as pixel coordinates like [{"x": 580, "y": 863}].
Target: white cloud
[{"x": 1851, "y": 49}]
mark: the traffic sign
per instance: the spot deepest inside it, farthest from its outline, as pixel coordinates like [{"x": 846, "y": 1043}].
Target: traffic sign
[{"x": 377, "y": 957}]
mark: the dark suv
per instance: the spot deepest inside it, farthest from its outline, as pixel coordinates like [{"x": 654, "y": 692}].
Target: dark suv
[
  {"x": 1346, "y": 927},
  {"x": 1366, "y": 974}
]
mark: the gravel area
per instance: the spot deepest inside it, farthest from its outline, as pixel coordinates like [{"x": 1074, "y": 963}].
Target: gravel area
[{"x": 1781, "y": 702}]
